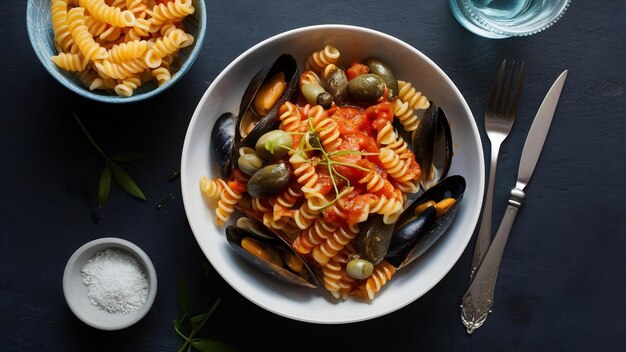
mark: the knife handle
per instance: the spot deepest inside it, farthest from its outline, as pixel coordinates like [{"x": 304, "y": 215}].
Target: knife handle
[{"x": 478, "y": 300}]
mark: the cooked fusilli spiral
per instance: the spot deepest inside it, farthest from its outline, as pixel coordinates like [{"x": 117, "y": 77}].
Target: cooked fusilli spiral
[
  {"x": 307, "y": 178},
  {"x": 326, "y": 128},
  {"x": 290, "y": 196},
  {"x": 226, "y": 205},
  {"x": 405, "y": 114},
  {"x": 304, "y": 216},
  {"x": 396, "y": 168},
  {"x": 335, "y": 279},
  {"x": 313, "y": 236},
  {"x": 211, "y": 189},
  {"x": 261, "y": 205},
  {"x": 335, "y": 243},
  {"x": 389, "y": 208},
  {"x": 386, "y": 135},
  {"x": 289, "y": 117},
  {"x": 408, "y": 94},
  {"x": 381, "y": 274},
  {"x": 374, "y": 182},
  {"x": 320, "y": 59}
]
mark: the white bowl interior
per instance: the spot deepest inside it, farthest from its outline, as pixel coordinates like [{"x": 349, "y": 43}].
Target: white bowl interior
[{"x": 306, "y": 304}]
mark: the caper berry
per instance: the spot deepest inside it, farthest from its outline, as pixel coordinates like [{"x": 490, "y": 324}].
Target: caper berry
[
  {"x": 273, "y": 145},
  {"x": 311, "y": 92},
  {"x": 325, "y": 100},
  {"x": 359, "y": 269},
  {"x": 249, "y": 163}
]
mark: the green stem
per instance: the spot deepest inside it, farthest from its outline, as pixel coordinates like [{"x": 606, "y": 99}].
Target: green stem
[
  {"x": 90, "y": 138},
  {"x": 200, "y": 325}
]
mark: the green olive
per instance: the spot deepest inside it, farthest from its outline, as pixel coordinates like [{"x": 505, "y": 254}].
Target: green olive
[
  {"x": 382, "y": 70},
  {"x": 273, "y": 145},
  {"x": 269, "y": 181},
  {"x": 325, "y": 100},
  {"x": 366, "y": 88},
  {"x": 249, "y": 163},
  {"x": 311, "y": 91},
  {"x": 359, "y": 269}
]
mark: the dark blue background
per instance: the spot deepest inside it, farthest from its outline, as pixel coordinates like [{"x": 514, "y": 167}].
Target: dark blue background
[{"x": 563, "y": 276}]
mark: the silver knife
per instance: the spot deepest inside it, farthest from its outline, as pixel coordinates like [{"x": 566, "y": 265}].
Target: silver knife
[{"x": 478, "y": 300}]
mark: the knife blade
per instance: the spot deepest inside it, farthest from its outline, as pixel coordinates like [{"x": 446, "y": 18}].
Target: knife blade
[
  {"x": 478, "y": 300},
  {"x": 539, "y": 130}
]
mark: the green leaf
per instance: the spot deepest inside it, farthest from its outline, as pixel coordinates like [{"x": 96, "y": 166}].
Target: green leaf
[
  {"x": 104, "y": 186},
  {"x": 126, "y": 182},
  {"x": 183, "y": 297},
  {"x": 207, "y": 345},
  {"x": 129, "y": 156}
]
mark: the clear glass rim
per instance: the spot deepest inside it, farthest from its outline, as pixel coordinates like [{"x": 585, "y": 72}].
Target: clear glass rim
[{"x": 490, "y": 26}]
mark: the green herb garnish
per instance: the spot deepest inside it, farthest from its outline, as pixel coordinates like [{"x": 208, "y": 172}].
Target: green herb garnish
[
  {"x": 326, "y": 160},
  {"x": 188, "y": 325},
  {"x": 112, "y": 170}
]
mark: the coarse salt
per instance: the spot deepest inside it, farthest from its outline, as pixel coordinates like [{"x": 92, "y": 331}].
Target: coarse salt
[{"x": 115, "y": 281}]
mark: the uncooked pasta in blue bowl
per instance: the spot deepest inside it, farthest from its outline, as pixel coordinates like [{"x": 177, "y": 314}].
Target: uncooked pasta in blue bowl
[{"x": 115, "y": 52}]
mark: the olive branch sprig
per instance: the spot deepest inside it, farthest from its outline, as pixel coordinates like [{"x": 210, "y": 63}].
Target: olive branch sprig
[
  {"x": 188, "y": 326},
  {"x": 112, "y": 169}
]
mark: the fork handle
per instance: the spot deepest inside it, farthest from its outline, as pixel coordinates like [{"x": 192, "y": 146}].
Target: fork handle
[
  {"x": 478, "y": 300},
  {"x": 484, "y": 234}
]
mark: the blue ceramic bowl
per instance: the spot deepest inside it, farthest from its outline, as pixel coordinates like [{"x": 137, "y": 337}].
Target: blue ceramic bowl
[{"x": 39, "y": 25}]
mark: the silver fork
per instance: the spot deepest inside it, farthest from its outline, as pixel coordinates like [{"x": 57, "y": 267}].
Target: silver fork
[{"x": 499, "y": 118}]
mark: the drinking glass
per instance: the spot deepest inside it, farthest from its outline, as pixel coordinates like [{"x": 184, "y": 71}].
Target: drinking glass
[{"x": 507, "y": 18}]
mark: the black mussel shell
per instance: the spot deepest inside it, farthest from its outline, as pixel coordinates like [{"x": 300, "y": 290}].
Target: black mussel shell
[
  {"x": 235, "y": 235},
  {"x": 426, "y": 241},
  {"x": 373, "y": 242},
  {"x": 406, "y": 237},
  {"x": 415, "y": 235},
  {"x": 286, "y": 64},
  {"x": 432, "y": 146},
  {"x": 450, "y": 187},
  {"x": 222, "y": 136}
]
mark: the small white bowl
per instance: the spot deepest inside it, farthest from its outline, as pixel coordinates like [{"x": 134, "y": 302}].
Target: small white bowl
[{"x": 75, "y": 290}]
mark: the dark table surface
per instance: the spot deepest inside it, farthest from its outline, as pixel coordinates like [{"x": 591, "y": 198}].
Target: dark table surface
[{"x": 563, "y": 276}]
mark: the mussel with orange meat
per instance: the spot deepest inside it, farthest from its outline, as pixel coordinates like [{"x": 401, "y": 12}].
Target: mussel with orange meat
[
  {"x": 273, "y": 85},
  {"x": 421, "y": 224},
  {"x": 269, "y": 253}
]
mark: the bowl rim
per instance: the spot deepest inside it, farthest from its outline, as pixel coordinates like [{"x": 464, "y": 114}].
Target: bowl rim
[
  {"x": 140, "y": 256},
  {"x": 84, "y": 92},
  {"x": 474, "y": 213}
]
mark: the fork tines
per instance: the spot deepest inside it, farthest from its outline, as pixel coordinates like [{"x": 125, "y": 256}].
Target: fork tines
[{"x": 508, "y": 109}]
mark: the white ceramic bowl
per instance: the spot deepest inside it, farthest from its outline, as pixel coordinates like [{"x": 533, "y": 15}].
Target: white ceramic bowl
[
  {"x": 75, "y": 290},
  {"x": 312, "y": 305}
]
